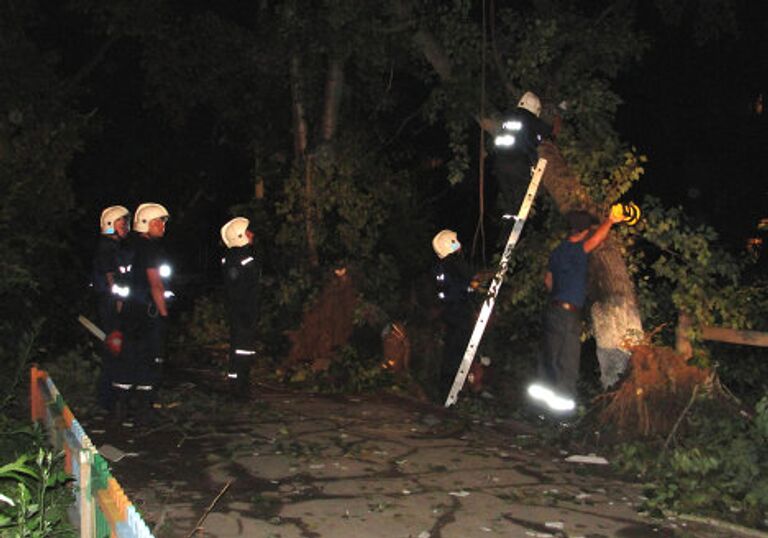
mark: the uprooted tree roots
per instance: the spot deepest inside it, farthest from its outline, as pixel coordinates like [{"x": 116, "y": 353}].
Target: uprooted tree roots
[{"x": 656, "y": 393}]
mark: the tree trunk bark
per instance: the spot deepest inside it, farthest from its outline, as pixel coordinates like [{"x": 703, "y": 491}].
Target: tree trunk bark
[
  {"x": 299, "y": 116},
  {"x": 300, "y": 154},
  {"x": 334, "y": 84},
  {"x": 309, "y": 213}
]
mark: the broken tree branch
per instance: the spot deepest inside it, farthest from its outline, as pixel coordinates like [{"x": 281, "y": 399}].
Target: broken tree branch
[
  {"x": 680, "y": 418},
  {"x": 199, "y": 523}
]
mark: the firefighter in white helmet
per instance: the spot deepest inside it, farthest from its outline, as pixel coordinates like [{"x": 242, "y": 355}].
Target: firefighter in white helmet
[
  {"x": 454, "y": 284},
  {"x": 114, "y": 227},
  {"x": 516, "y": 145},
  {"x": 241, "y": 268},
  {"x": 145, "y": 312}
]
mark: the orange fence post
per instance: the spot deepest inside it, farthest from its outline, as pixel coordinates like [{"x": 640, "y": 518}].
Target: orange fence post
[{"x": 36, "y": 404}]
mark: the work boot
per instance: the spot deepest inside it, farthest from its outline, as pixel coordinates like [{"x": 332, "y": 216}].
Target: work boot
[
  {"x": 243, "y": 388},
  {"x": 145, "y": 412},
  {"x": 120, "y": 406}
]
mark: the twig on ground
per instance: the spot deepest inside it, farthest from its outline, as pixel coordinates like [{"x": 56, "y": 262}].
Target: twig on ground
[
  {"x": 719, "y": 524},
  {"x": 199, "y": 523},
  {"x": 160, "y": 521},
  {"x": 680, "y": 418}
]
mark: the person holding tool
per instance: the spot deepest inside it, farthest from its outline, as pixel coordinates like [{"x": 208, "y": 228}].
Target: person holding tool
[{"x": 566, "y": 283}]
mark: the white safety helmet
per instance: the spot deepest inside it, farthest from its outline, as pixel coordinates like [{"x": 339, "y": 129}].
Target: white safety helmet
[
  {"x": 111, "y": 215},
  {"x": 445, "y": 242},
  {"x": 530, "y": 101},
  {"x": 233, "y": 233},
  {"x": 146, "y": 213}
]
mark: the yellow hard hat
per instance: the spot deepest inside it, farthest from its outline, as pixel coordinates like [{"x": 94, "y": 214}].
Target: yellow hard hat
[
  {"x": 146, "y": 213},
  {"x": 233, "y": 232}
]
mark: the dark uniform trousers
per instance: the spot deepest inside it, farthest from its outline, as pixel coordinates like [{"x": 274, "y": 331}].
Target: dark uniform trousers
[
  {"x": 242, "y": 349},
  {"x": 138, "y": 369},
  {"x": 513, "y": 174},
  {"x": 106, "y": 307},
  {"x": 562, "y": 348},
  {"x": 458, "y": 329}
]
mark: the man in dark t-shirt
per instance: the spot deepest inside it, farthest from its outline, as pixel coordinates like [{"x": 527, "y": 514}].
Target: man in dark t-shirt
[{"x": 566, "y": 280}]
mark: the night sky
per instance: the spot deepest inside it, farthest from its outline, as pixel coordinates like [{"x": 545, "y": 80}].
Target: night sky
[{"x": 692, "y": 109}]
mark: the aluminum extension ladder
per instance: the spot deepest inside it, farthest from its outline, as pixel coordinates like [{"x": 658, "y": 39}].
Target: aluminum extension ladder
[{"x": 498, "y": 279}]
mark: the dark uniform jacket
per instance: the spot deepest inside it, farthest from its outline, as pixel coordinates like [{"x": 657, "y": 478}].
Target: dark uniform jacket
[
  {"x": 106, "y": 260},
  {"x": 452, "y": 280},
  {"x": 145, "y": 254},
  {"x": 241, "y": 268},
  {"x": 512, "y": 165}
]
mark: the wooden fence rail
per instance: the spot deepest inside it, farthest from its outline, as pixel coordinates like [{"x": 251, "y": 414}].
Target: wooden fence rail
[{"x": 715, "y": 334}]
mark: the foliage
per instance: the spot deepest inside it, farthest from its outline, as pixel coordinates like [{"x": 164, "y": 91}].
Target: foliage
[
  {"x": 566, "y": 53},
  {"x": 355, "y": 209},
  {"x": 40, "y": 131},
  {"x": 76, "y": 372},
  {"x": 679, "y": 266},
  {"x": 20, "y": 356},
  {"x": 707, "y": 22},
  {"x": 718, "y": 466},
  {"x": 206, "y": 324},
  {"x": 33, "y": 492},
  {"x": 349, "y": 372}
]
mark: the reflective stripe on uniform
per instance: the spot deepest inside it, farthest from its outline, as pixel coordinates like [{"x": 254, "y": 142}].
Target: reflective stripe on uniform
[
  {"x": 144, "y": 387},
  {"x": 247, "y": 260},
  {"x": 232, "y": 376},
  {"x": 244, "y": 352},
  {"x": 122, "y": 386},
  {"x": 159, "y": 360}
]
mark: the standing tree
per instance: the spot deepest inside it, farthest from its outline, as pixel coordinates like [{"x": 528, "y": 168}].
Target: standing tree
[
  {"x": 568, "y": 55},
  {"x": 40, "y": 131}
]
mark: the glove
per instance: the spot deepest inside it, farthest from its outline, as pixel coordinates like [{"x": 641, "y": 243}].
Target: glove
[{"x": 114, "y": 342}]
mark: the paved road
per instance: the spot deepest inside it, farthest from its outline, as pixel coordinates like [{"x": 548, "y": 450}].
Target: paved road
[{"x": 312, "y": 466}]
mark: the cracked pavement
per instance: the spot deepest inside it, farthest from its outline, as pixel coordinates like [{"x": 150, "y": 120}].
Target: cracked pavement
[{"x": 299, "y": 465}]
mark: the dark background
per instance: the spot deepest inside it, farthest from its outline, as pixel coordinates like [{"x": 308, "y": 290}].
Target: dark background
[
  {"x": 689, "y": 105},
  {"x": 690, "y": 108}
]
